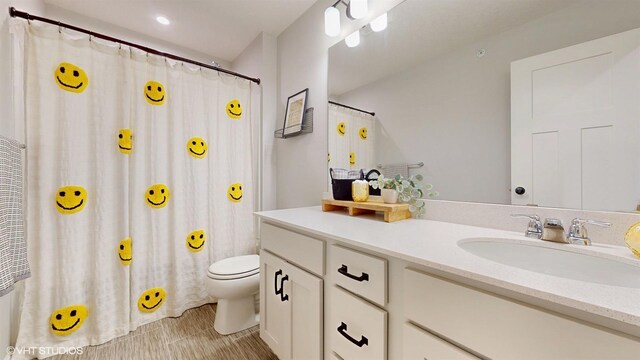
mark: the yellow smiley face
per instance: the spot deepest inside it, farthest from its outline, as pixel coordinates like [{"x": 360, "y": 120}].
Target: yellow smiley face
[
  {"x": 125, "y": 141},
  {"x": 70, "y": 77},
  {"x": 234, "y": 192},
  {"x": 233, "y": 109},
  {"x": 197, "y": 147},
  {"x": 196, "y": 240},
  {"x": 125, "y": 252},
  {"x": 154, "y": 93},
  {"x": 363, "y": 133},
  {"x": 341, "y": 128},
  {"x": 71, "y": 199},
  {"x": 67, "y": 320},
  {"x": 352, "y": 158},
  {"x": 157, "y": 196},
  {"x": 151, "y": 299}
]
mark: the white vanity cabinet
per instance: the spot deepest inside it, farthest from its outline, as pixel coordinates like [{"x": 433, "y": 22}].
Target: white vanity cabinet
[
  {"x": 291, "y": 301},
  {"x": 367, "y": 305}
]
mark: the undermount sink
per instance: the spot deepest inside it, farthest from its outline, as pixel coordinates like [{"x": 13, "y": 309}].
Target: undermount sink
[{"x": 555, "y": 262}]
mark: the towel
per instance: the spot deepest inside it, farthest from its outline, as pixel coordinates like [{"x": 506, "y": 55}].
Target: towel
[
  {"x": 13, "y": 248},
  {"x": 391, "y": 170}
]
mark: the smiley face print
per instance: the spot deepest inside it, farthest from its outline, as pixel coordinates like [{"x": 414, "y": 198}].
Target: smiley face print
[
  {"x": 352, "y": 158},
  {"x": 363, "y": 133},
  {"x": 71, "y": 199},
  {"x": 341, "y": 128},
  {"x": 71, "y": 78},
  {"x": 125, "y": 141},
  {"x": 196, "y": 240},
  {"x": 67, "y": 320},
  {"x": 154, "y": 92},
  {"x": 197, "y": 147},
  {"x": 234, "y": 192},
  {"x": 233, "y": 109},
  {"x": 125, "y": 252},
  {"x": 157, "y": 196},
  {"x": 150, "y": 300}
]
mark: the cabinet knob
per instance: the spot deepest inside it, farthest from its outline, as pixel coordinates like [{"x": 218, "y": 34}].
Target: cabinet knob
[{"x": 520, "y": 190}]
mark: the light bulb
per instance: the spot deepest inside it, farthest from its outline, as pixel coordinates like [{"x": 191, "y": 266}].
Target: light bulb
[
  {"x": 163, "y": 20},
  {"x": 353, "y": 40},
  {"x": 332, "y": 21},
  {"x": 358, "y": 8},
  {"x": 379, "y": 23}
]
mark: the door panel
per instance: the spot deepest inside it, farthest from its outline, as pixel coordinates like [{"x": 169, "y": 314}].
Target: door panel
[
  {"x": 574, "y": 118},
  {"x": 275, "y": 314}
]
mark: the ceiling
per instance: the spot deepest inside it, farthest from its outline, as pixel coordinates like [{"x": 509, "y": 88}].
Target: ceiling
[
  {"x": 221, "y": 28},
  {"x": 420, "y": 30}
]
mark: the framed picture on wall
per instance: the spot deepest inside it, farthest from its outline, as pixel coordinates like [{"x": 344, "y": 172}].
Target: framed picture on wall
[{"x": 296, "y": 104}]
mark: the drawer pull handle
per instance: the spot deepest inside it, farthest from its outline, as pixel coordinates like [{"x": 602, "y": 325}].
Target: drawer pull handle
[
  {"x": 283, "y": 296},
  {"x": 345, "y": 271},
  {"x": 342, "y": 329}
]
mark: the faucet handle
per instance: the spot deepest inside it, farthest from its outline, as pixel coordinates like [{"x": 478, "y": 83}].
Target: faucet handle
[
  {"x": 534, "y": 229},
  {"x": 578, "y": 231}
]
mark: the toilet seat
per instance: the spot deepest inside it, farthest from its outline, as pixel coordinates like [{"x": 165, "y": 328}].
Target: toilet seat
[{"x": 235, "y": 268}]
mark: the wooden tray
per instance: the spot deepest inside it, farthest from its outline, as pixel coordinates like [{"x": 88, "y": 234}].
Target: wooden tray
[{"x": 392, "y": 212}]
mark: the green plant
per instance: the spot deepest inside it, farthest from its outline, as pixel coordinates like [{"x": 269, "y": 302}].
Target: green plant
[{"x": 410, "y": 190}]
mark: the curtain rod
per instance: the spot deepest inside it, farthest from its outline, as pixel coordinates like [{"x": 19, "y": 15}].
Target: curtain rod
[
  {"x": 13, "y": 12},
  {"x": 352, "y": 108}
]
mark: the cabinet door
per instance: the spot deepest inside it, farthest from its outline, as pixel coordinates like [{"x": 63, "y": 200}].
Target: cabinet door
[
  {"x": 305, "y": 295},
  {"x": 275, "y": 307}
]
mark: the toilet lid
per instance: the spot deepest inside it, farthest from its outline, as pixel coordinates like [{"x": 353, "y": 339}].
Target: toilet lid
[{"x": 235, "y": 267}]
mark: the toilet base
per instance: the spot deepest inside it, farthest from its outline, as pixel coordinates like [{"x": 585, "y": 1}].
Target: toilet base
[{"x": 235, "y": 315}]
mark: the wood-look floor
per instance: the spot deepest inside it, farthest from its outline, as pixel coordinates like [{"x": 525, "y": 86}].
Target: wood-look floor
[{"x": 190, "y": 336}]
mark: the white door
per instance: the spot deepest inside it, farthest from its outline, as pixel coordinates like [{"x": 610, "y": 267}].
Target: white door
[
  {"x": 275, "y": 307},
  {"x": 575, "y": 120}
]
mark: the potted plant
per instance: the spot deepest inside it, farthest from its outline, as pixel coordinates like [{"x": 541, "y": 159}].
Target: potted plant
[{"x": 408, "y": 191}]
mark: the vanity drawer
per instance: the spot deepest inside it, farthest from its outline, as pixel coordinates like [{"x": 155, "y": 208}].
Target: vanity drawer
[
  {"x": 362, "y": 274},
  {"x": 358, "y": 329},
  {"x": 301, "y": 250},
  {"x": 418, "y": 344},
  {"x": 500, "y": 328}
]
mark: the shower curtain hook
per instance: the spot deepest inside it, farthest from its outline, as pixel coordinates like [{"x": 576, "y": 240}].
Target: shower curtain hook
[{"x": 59, "y": 28}]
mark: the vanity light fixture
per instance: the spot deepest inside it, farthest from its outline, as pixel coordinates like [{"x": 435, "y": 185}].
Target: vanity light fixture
[
  {"x": 380, "y": 23},
  {"x": 163, "y": 20},
  {"x": 332, "y": 21},
  {"x": 353, "y": 39},
  {"x": 356, "y": 9}
]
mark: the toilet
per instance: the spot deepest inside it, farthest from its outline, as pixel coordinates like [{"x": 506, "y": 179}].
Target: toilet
[{"x": 234, "y": 282}]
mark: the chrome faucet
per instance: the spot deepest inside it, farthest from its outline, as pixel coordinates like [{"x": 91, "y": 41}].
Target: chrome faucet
[
  {"x": 552, "y": 229},
  {"x": 534, "y": 229},
  {"x": 578, "y": 231}
]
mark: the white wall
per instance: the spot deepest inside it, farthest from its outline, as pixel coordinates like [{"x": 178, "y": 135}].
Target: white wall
[
  {"x": 8, "y": 303},
  {"x": 453, "y": 112},
  {"x": 302, "y": 63},
  {"x": 259, "y": 59}
]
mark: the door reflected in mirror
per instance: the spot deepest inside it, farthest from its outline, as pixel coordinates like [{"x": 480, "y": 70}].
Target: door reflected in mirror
[{"x": 530, "y": 102}]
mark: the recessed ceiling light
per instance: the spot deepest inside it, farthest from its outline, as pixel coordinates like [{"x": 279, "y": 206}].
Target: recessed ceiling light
[{"x": 163, "y": 20}]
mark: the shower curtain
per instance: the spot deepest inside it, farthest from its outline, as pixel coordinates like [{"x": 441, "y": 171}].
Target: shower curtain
[
  {"x": 140, "y": 175},
  {"x": 351, "y": 139}
]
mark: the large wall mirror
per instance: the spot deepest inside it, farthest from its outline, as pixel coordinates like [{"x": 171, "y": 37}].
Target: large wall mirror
[{"x": 529, "y": 102}]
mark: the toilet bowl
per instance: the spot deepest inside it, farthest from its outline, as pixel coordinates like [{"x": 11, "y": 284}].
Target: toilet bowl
[{"x": 234, "y": 282}]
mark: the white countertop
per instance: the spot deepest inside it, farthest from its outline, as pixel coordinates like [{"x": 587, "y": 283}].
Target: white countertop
[{"x": 434, "y": 244}]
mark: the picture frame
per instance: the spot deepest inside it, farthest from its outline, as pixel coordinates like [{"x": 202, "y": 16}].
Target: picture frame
[{"x": 294, "y": 115}]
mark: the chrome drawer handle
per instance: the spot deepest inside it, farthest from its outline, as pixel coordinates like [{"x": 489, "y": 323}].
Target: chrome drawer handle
[
  {"x": 345, "y": 271},
  {"x": 342, "y": 329}
]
